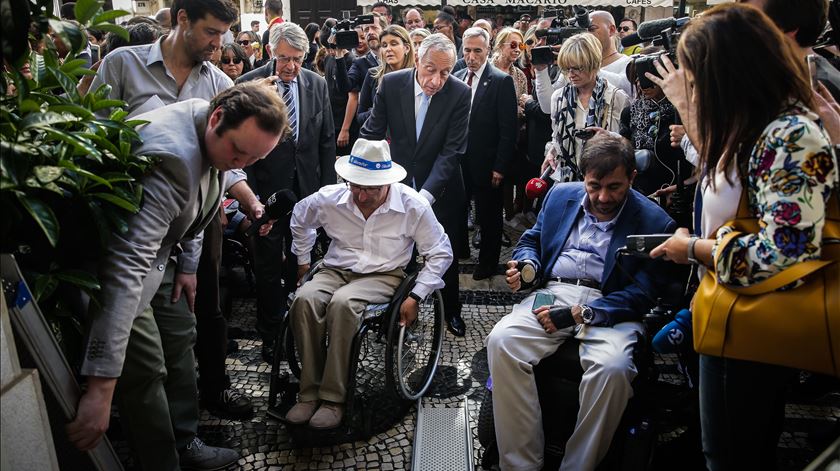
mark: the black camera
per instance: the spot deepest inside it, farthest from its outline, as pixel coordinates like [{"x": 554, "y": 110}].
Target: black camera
[
  {"x": 346, "y": 36},
  {"x": 563, "y": 28}
]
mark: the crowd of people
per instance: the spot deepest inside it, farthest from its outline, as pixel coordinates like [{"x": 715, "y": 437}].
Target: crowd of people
[{"x": 406, "y": 143}]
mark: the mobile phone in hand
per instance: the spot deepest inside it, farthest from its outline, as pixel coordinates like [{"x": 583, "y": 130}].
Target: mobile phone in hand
[
  {"x": 584, "y": 134},
  {"x": 542, "y": 299}
]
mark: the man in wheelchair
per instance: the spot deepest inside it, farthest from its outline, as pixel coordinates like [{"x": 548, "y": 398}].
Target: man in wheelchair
[
  {"x": 573, "y": 248},
  {"x": 374, "y": 223}
]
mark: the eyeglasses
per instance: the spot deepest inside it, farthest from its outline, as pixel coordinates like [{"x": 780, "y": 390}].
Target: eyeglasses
[
  {"x": 283, "y": 60},
  {"x": 368, "y": 190},
  {"x": 625, "y": 29},
  {"x": 516, "y": 45},
  {"x": 572, "y": 70},
  {"x": 440, "y": 27},
  {"x": 244, "y": 42},
  {"x": 228, "y": 60}
]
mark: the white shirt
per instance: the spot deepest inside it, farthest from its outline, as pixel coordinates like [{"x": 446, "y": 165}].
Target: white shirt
[{"x": 381, "y": 243}]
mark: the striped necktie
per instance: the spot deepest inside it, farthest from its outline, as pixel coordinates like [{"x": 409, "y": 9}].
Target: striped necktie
[
  {"x": 291, "y": 108},
  {"x": 421, "y": 114}
]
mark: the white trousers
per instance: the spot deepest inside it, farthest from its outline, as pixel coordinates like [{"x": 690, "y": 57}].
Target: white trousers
[{"x": 518, "y": 342}]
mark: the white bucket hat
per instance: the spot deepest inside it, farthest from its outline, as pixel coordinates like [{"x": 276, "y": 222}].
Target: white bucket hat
[{"x": 369, "y": 164}]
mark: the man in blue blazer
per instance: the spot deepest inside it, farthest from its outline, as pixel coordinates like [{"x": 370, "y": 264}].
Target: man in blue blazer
[
  {"x": 573, "y": 250},
  {"x": 424, "y": 112},
  {"x": 491, "y": 144}
]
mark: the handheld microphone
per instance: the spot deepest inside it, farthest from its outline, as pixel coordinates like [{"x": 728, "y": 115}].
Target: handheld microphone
[
  {"x": 654, "y": 28},
  {"x": 538, "y": 187},
  {"x": 631, "y": 40},
  {"x": 277, "y": 206},
  {"x": 676, "y": 335}
]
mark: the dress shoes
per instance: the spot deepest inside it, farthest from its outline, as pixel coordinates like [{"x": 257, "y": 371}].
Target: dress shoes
[
  {"x": 456, "y": 325},
  {"x": 329, "y": 416},
  {"x": 301, "y": 412}
]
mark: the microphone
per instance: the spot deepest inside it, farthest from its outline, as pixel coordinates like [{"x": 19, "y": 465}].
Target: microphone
[
  {"x": 631, "y": 40},
  {"x": 277, "y": 206},
  {"x": 538, "y": 187},
  {"x": 676, "y": 335},
  {"x": 654, "y": 28}
]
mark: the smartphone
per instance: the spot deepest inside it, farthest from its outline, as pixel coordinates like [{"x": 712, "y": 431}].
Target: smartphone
[
  {"x": 542, "y": 55},
  {"x": 543, "y": 299},
  {"x": 644, "y": 243},
  {"x": 583, "y": 134},
  {"x": 813, "y": 66}
]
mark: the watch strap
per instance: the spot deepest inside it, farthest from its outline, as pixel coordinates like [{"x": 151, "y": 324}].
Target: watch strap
[
  {"x": 415, "y": 297},
  {"x": 691, "y": 243}
]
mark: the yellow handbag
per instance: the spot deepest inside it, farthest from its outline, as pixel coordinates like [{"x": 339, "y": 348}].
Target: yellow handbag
[{"x": 797, "y": 328}]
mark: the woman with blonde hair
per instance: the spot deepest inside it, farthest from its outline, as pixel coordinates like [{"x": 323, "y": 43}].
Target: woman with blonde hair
[
  {"x": 417, "y": 36},
  {"x": 395, "y": 53},
  {"x": 587, "y": 101}
]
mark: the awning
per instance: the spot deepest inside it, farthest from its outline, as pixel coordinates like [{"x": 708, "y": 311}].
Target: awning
[
  {"x": 558, "y": 3},
  {"x": 402, "y": 3}
]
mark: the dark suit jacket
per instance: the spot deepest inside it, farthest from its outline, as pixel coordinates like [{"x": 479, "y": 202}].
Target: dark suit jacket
[
  {"x": 307, "y": 165},
  {"x": 623, "y": 300},
  {"x": 366, "y": 95},
  {"x": 433, "y": 161},
  {"x": 355, "y": 77},
  {"x": 493, "y": 126}
]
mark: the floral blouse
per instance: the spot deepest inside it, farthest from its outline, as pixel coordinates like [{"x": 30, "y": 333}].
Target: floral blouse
[{"x": 791, "y": 173}]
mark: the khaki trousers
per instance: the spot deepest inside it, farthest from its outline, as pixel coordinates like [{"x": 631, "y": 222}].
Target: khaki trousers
[
  {"x": 518, "y": 342},
  {"x": 330, "y": 305}
]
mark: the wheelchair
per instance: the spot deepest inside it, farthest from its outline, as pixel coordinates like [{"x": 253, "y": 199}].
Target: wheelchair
[
  {"x": 558, "y": 379},
  {"x": 406, "y": 358}
]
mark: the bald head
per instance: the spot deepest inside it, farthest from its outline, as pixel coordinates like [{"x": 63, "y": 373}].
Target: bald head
[
  {"x": 602, "y": 25},
  {"x": 485, "y": 25},
  {"x": 164, "y": 18}
]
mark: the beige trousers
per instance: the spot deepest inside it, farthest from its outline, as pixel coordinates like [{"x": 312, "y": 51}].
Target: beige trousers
[
  {"x": 518, "y": 342},
  {"x": 330, "y": 306}
]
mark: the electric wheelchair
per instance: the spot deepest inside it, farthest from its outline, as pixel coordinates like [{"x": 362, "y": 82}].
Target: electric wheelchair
[{"x": 391, "y": 366}]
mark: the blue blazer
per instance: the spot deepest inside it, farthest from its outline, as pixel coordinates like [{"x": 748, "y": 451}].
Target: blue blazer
[{"x": 622, "y": 299}]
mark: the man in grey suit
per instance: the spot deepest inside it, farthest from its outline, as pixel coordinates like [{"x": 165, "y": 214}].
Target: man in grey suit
[
  {"x": 146, "y": 353},
  {"x": 303, "y": 163},
  {"x": 425, "y": 113}
]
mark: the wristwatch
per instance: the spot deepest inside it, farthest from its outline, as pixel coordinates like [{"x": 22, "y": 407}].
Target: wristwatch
[
  {"x": 587, "y": 314},
  {"x": 415, "y": 297},
  {"x": 691, "y": 258}
]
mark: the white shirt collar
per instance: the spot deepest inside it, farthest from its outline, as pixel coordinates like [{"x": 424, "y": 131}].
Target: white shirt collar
[{"x": 478, "y": 74}]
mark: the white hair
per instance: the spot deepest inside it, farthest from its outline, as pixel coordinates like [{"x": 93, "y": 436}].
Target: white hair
[
  {"x": 475, "y": 32},
  {"x": 289, "y": 32},
  {"x": 436, "y": 42}
]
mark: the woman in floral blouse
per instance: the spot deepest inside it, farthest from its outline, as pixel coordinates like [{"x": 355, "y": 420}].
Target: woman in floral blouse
[{"x": 748, "y": 113}]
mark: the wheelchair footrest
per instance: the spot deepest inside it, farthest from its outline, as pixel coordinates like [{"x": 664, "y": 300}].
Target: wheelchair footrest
[{"x": 442, "y": 439}]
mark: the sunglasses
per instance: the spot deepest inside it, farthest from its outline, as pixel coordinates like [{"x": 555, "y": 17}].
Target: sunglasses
[
  {"x": 625, "y": 29},
  {"x": 244, "y": 42},
  {"x": 235, "y": 60},
  {"x": 516, "y": 45}
]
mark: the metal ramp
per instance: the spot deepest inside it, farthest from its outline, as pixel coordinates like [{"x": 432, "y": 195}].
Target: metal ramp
[{"x": 442, "y": 439}]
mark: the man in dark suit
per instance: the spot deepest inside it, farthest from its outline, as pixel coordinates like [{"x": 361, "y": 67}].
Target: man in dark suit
[
  {"x": 428, "y": 132},
  {"x": 573, "y": 248},
  {"x": 492, "y": 138},
  {"x": 302, "y": 163}
]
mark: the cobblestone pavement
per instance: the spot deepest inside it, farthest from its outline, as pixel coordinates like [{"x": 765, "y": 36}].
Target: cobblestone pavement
[{"x": 267, "y": 444}]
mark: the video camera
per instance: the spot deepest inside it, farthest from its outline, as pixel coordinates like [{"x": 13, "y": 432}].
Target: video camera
[
  {"x": 345, "y": 32},
  {"x": 561, "y": 29},
  {"x": 664, "y": 32}
]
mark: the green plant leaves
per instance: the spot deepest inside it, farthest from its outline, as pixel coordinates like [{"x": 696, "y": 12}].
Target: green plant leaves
[
  {"x": 86, "y": 9},
  {"x": 107, "y": 16},
  {"x": 70, "y": 34},
  {"x": 112, "y": 28},
  {"x": 43, "y": 216}
]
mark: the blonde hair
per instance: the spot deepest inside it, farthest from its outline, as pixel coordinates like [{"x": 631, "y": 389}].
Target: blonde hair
[
  {"x": 502, "y": 38},
  {"x": 408, "y": 60},
  {"x": 581, "y": 50}
]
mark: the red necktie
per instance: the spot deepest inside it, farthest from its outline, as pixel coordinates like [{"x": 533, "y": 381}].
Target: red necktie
[{"x": 469, "y": 78}]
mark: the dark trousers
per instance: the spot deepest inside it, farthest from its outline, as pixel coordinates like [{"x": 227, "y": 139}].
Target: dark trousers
[
  {"x": 211, "y": 327},
  {"x": 488, "y": 215},
  {"x": 276, "y": 270},
  {"x": 450, "y": 213},
  {"x": 742, "y": 412}
]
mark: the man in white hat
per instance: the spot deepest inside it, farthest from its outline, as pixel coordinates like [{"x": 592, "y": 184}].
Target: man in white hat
[{"x": 374, "y": 222}]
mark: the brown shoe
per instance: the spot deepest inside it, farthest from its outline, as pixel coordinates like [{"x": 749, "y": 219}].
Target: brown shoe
[
  {"x": 301, "y": 412},
  {"x": 328, "y": 416}
]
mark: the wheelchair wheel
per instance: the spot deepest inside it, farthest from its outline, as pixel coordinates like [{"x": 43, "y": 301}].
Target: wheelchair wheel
[
  {"x": 486, "y": 423},
  {"x": 412, "y": 353},
  {"x": 290, "y": 350}
]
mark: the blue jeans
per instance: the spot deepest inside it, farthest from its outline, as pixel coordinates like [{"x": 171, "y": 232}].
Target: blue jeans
[{"x": 742, "y": 411}]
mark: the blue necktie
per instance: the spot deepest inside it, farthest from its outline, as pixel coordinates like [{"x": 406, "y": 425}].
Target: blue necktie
[
  {"x": 421, "y": 114},
  {"x": 289, "y": 98}
]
